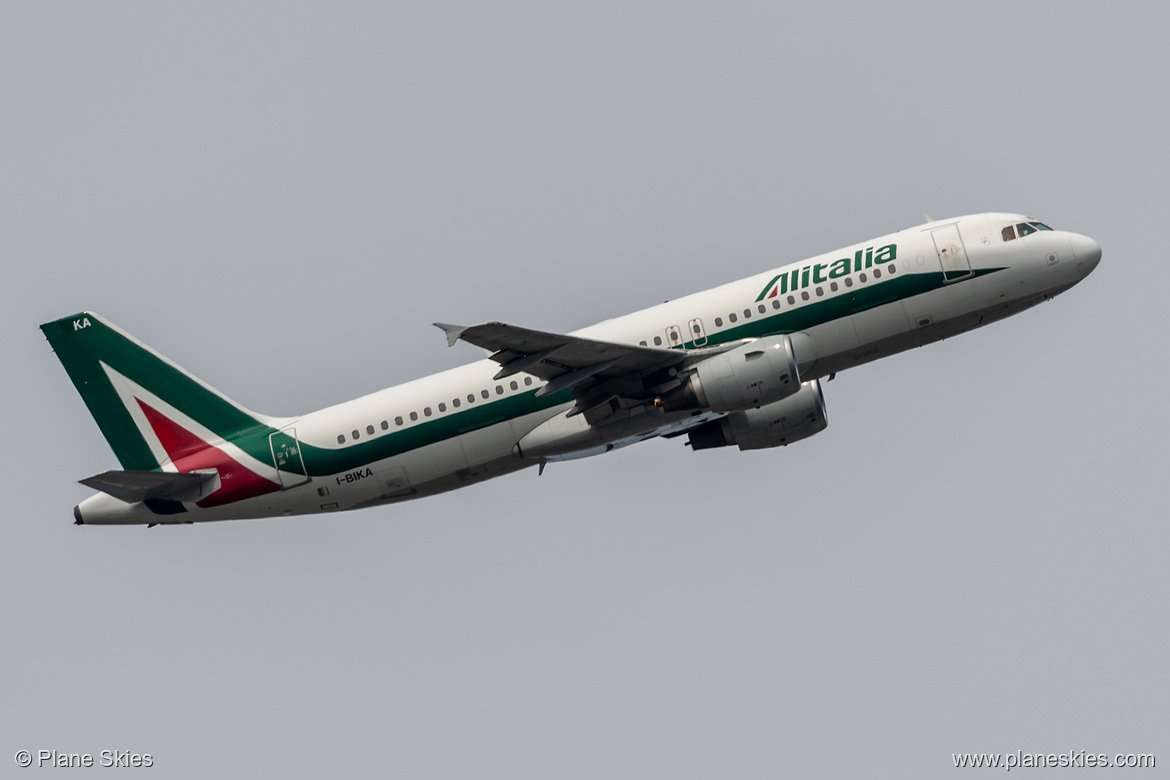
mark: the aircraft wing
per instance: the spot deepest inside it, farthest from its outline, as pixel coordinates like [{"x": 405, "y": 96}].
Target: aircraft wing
[
  {"x": 135, "y": 486},
  {"x": 596, "y": 371}
]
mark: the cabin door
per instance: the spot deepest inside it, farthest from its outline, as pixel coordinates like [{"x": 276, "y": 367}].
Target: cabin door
[
  {"x": 698, "y": 335},
  {"x": 951, "y": 254}
]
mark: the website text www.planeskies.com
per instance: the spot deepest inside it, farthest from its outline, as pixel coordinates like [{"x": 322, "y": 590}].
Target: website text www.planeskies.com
[{"x": 1070, "y": 759}]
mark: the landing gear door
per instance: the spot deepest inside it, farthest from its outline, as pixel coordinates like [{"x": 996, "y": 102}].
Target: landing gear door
[
  {"x": 286, "y": 456},
  {"x": 394, "y": 482},
  {"x": 951, "y": 254}
]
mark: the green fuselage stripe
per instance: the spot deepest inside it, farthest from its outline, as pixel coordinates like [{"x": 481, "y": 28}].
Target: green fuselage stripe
[
  {"x": 835, "y": 305},
  {"x": 83, "y": 349},
  {"x": 324, "y": 461}
]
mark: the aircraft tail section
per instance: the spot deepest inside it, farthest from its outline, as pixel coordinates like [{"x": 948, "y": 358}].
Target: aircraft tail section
[{"x": 156, "y": 416}]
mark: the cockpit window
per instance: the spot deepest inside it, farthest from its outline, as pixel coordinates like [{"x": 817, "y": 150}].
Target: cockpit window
[{"x": 1022, "y": 229}]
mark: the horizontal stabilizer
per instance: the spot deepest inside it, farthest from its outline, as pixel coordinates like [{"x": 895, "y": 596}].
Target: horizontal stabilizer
[{"x": 135, "y": 486}]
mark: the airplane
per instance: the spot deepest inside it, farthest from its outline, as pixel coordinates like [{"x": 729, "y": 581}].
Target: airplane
[{"x": 737, "y": 365}]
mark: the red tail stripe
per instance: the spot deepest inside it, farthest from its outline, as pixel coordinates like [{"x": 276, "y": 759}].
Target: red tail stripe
[{"x": 188, "y": 452}]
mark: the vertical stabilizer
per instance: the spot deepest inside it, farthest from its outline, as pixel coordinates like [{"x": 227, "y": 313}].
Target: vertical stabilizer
[{"x": 154, "y": 414}]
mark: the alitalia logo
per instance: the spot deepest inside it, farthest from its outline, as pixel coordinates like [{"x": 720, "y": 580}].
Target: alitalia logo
[{"x": 808, "y": 275}]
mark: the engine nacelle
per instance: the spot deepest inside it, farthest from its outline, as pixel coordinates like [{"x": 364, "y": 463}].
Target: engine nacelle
[
  {"x": 776, "y": 425},
  {"x": 750, "y": 376}
]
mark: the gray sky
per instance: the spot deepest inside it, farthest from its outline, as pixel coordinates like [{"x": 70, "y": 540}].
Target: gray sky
[{"x": 282, "y": 198}]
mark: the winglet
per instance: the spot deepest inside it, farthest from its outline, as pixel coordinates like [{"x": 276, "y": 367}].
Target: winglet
[{"x": 453, "y": 332}]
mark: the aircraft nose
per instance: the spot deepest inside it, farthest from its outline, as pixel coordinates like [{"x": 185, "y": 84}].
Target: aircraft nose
[{"x": 1087, "y": 253}]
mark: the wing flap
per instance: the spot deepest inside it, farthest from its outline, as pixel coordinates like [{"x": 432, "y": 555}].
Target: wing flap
[{"x": 522, "y": 362}]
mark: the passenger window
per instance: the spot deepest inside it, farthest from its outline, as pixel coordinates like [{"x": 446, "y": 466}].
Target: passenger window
[
  {"x": 1025, "y": 229},
  {"x": 731, "y": 317},
  {"x": 848, "y": 282},
  {"x": 414, "y": 416},
  {"x": 892, "y": 268},
  {"x": 877, "y": 273},
  {"x": 455, "y": 402},
  {"x": 385, "y": 425},
  {"x": 775, "y": 303},
  {"x": 791, "y": 301},
  {"x": 718, "y": 322},
  {"x": 398, "y": 420},
  {"x": 527, "y": 381},
  {"x": 341, "y": 438},
  {"x": 354, "y": 434},
  {"x": 820, "y": 292},
  {"x": 863, "y": 278},
  {"x": 696, "y": 329},
  {"x": 641, "y": 343},
  {"x": 427, "y": 411},
  {"x": 442, "y": 407},
  {"x": 833, "y": 286},
  {"x": 513, "y": 385},
  {"x": 1008, "y": 233},
  {"x": 747, "y": 314},
  {"x": 804, "y": 295},
  {"x": 761, "y": 308},
  {"x": 658, "y": 341},
  {"x": 485, "y": 393},
  {"x": 471, "y": 398},
  {"x": 499, "y": 389},
  {"x": 370, "y": 430}
]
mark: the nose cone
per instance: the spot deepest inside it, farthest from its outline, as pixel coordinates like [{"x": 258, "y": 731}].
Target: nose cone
[{"x": 1086, "y": 252}]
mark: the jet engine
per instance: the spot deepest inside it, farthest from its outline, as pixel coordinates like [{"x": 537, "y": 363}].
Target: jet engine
[
  {"x": 777, "y": 424},
  {"x": 749, "y": 376}
]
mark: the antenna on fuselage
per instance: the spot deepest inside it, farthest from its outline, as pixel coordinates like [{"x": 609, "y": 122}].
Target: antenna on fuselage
[{"x": 928, "y": 217}]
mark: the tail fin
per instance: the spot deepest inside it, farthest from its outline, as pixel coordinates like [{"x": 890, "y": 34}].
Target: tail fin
[{"x": 151, "y": 411}]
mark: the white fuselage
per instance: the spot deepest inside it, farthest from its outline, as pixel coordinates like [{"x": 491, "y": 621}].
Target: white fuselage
[{"x": 945, "y": 278}]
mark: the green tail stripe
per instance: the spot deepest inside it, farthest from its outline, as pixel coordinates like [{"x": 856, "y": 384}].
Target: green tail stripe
[{"x": 84, "y": 341}]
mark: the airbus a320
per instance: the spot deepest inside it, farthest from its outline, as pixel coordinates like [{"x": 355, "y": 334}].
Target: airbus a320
[{"x": 739, "y": 365}]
